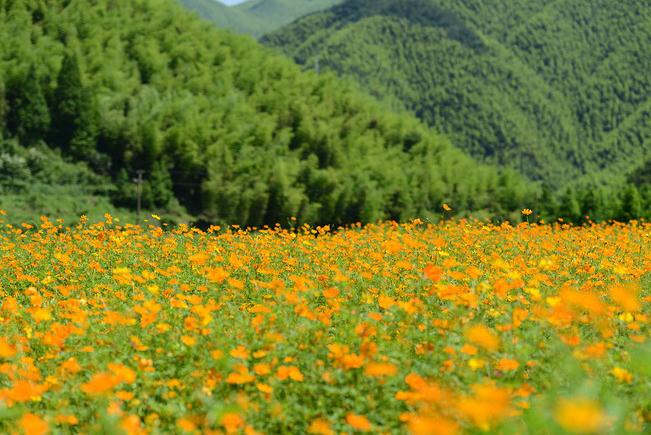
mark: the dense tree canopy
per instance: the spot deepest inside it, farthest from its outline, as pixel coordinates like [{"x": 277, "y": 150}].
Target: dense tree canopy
[
  {"x": 558, "y": 90},
  {"x": 222, "y": 127}
]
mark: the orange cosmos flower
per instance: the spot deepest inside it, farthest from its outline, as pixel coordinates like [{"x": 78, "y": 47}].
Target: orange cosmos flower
[
  {"x": 24, "y": 391},
  {"x": 240, "y": 376},
  {"x": 264, "y": 388},
  {"x": 482, "y": 336},
  {"x": 66, "y": 419},
  {"x": 330, "y": 293},
  {"x": 433, "y": 273},
  {"x": 508, "y": 365},
  {"x": 358, "y": 422},
  {"x": 232, "y": 422},
  {"x": 432, "y": 425},
  {"x": 240, "y": 352},
  {"x": 380, "y": 369},
  {"x": 626, "y": 296},
  {"x": 186, "y": 425},
  {"x": 100, "y": 383},
  {"x": 320, "y": 426},
  {"x": 32, "y": 424},
  {"x": 262, "y": 369},
  {"x": 122, "y": 373},
  {"x": 290, "y": 372},
  {"x": 6, "y": 349},
  {"x": 488, "y": 405}
]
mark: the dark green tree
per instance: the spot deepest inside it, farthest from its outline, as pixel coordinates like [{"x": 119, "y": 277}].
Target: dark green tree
[
  {"x": 569, "y": 207},
  {"x": 28, "y": 118},
  {"x": 631, "y": 207},
  {"x": 3, "y": 108},
  {"x": 157, "y": 191},
  {"x": 74, "y": 117}
]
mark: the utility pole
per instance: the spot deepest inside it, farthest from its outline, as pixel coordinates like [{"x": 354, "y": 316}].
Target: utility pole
[
  {"x": 316, "y": 64},
  {"x": 138, "y": 182}
]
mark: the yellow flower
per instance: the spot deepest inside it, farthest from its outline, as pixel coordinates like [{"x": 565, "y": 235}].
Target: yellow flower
[
  {"x": 622, "y": 375},
  {"x": 580, "y": 415}
]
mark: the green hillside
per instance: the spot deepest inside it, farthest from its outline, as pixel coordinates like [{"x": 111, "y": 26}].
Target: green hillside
[
  {"x": 559, "y": 90},
  {"x": 223, "y": 16},
  {"x": 256, "y": 17},
  {"x": 222, "y": 128}
]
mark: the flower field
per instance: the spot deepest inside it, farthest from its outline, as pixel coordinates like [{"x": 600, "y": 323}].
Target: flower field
[{"x": 458, "y": 327}]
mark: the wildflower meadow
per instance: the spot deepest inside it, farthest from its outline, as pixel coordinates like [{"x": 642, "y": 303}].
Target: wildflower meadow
[{"x": 454, "y": 327}]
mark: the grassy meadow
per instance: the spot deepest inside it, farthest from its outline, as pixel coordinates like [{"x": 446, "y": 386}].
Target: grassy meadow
[{"x": 454, "y": 327}]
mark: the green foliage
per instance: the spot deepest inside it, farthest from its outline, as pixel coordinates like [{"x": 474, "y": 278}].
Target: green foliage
[
  {"x": 36, "y": 180},
  {"x": 74, "y": 127},
  {"x": 557, "y": 90},
  {"x": 256, "y": 17},
  {"x": 29, "y": 117},
  {"x": 224, "y": 128}
]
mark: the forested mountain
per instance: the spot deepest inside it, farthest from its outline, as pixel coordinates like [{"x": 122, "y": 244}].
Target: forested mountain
[
  {"x": 256, "y": 17},
  {"x": 220, "y": 125},
  {"x": 559, "y": 90}
]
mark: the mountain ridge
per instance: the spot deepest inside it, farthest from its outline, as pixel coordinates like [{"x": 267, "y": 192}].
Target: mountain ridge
[
  {"x": 553, "y": 80},
  {"x": 255, "y": 17}
]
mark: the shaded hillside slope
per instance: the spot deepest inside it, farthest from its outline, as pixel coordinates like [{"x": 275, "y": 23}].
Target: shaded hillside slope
[{"x": 554, "y": 89}]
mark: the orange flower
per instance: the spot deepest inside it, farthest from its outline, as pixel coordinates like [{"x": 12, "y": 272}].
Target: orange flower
[
  {"x": 100, "y": 383},
  {"x": 239, "y": 378},
  {"x": 507, "y": 365},
  {"x": 6, "y": 349},
  {"x": 188, "y": 340},
  {"x": 352, "y": 361},
  {"x": 330, "y": 293},
  {"x": 217, "y": 275},
  {"x": 32, "y": 424},
  {"x": 240, "y": 352},
  {"x": 71, "y": 366},
  {"x": 433, "y": 273},
  {"x": 24, "y": 391},
  {"x": 264, "y": 388},
  {"x": 488, "y": 405},
  {"x": 358, "y": 422},
  {"x": 122, "y": 373},
  {"x": 186, "y": 425},
  {"x": 262, "y": 369},
  {"x": 232, "y": 422},
  {"x": 290, "y": 372},
  {"x": 626, "y": 296},
  {"x": 66, "y": 419},
  {"x": 320, "y": 426},
  {"x": 482, "y": 336},
  {"x": 429, "y": 425},
  {"x": 380, "y": 369}
]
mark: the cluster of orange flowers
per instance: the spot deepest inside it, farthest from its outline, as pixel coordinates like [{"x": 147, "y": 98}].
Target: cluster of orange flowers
[{"x": 434, "y": 329}]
